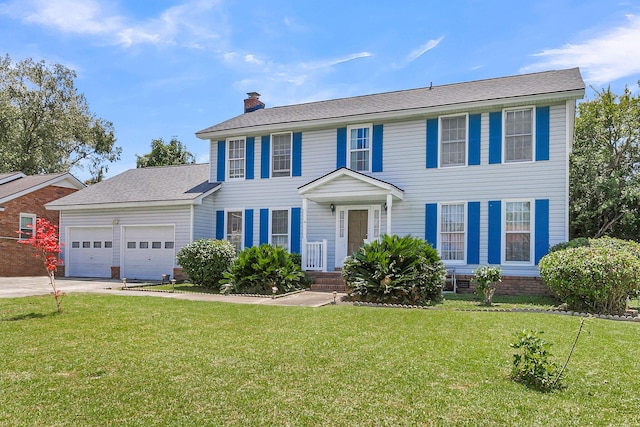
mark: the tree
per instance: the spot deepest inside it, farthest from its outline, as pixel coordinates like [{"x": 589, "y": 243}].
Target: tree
[
  {"x": 171, "y": 153},
  {"x": 604, "y": 167},
  {"x": 44, "y": 239},
  {"x": 46, "y": 125}
]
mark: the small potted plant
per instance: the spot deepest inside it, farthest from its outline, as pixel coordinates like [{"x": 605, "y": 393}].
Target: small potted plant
[{"x": 486, "y": 279}]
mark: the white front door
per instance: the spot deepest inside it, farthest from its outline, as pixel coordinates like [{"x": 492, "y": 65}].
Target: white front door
[
  {"x": 354, "y": 226},
  {"x": 148, "y": 252}
]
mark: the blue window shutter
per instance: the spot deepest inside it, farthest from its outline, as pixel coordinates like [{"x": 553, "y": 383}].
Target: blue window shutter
[
  {"x": 249, "y": 159},
  {"x": 264, "y": 226},
  {"x": 376, "y": 149},
  {"x": 265, "y": 156},
  {"x": 248, "y": 228},
  {"x": 432, "y": 143},
  {"x": 473, "y": 233},
  {"x": 295, "y": 231},
  {"x": 542, "y": 228},
  {"x": 495, "y": 137},
  {"x": 296, "y": 156},
  {"x": 341, "y": 148},
  {"x": 542, "y": 133},
  {"x": 431, "y": 224},
  {"x": 495, "y": 231},
  {"x": 219, "y": 225},
  {"x": 222, "y": 151},
  {"x": 474, "y": 139}
]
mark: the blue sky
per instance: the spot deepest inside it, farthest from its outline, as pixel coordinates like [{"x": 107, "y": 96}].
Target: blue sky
[{"x": 163, "y": 68}]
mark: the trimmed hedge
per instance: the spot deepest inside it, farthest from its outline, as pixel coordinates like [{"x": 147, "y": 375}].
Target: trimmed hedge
[
  {"x": 395, "y": 270},
  {"x": 205, "y": 261},
  {"x": 597, "y": 278}
]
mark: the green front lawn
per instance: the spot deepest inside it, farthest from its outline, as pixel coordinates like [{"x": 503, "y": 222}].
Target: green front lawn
[{"x": 129, "y": 360}]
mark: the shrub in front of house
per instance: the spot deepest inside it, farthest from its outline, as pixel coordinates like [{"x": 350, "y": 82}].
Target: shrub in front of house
[
  {"x": 204, "y": 261},
  {"x": 596, "y": 279},
  {"x": 394, "y": 270},
  {"x": 259, "y": 269}
]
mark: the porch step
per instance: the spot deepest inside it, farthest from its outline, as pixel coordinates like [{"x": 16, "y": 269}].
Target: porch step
[{"x": 327, "y": 281}]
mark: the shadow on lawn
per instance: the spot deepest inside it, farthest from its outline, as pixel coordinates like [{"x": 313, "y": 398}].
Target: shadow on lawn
[{"x": 27, "y": 316}]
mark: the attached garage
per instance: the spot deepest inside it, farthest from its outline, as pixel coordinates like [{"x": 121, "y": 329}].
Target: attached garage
[
  {"x": 89, "y": 251},
  {"x": 148, "y": 251}
]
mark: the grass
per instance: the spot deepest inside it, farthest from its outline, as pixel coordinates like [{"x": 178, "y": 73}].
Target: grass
[{"x": 156, "y": 361}]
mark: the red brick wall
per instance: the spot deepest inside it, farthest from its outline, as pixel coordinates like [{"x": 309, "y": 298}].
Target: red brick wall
[
  {"x": 17, "y": 259},
  {"x": 510, "y": 285}
]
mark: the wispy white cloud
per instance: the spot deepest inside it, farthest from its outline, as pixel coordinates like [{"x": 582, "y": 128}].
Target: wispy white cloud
[
  {"x": 417, "y": 53},
  {"x": 611, "y": 56},
  {"x": 182, "y": 24}
]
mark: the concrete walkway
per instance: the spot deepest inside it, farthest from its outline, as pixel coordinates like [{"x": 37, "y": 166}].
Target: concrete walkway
[{"x": 11, "y": 287}]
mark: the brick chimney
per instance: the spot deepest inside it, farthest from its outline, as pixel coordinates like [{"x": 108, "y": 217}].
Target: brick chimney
[{"x": 253, "y": 103}]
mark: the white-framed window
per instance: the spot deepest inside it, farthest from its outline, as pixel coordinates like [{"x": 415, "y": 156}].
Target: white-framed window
[
  {"x": 236, "y": 157},
  {"x": 519, "y": 135},
  {"x": 281, "y": 154},
  {"x": 359, "y": 147},
  {"x": 452, "y": 231},
  {"x": 342, "y": 222},
  {"x": 280, "y": 228},
  {"x": 518, "y": 216},
  {"x": 234, "y": 228},
  {"x": 27, "y": 225},
  {"x": 453, "y": 141}
]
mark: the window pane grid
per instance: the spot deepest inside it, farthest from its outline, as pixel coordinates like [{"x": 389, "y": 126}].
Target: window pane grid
[
  {"x": 281, "y": 155},
  {"x": 518, "y": 231},
  {"x": 452, "y": 232},
  {"x": 280, "y": 228},
  {"x": 234, "y": 229},
  {"x": 454, "y": 141},
  {"x": 359, "y": 148},
  {"x": 519, "y": 135},
  {"x": 236, "y": 158}
]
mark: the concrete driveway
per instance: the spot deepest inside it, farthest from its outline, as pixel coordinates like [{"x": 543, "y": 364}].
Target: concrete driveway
[{"x": 11, "y": 287}]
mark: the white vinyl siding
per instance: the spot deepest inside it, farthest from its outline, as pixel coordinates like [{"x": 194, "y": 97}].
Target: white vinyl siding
[
  {"x": 453, "y": 141},
  {"x": 518, "y": 135},
  {"x": 234, "y": 226},
  {"x": 236, "y": 158},
  {"x": 452, "y": 232},
  {"x": 281, "y": 154},
  {"x": 280, "y": 228},
  {"x": 517, "y": 235},
  {"x": 359, "y": 148}
]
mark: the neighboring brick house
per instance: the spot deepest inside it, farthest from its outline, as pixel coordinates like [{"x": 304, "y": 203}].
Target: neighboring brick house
[{"x": 22, "y": 200}]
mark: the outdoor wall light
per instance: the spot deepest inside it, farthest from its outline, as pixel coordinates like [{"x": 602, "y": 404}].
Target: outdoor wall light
[
  {"x": 332, "y": 207},
  {"x": 385, "y": 206}
]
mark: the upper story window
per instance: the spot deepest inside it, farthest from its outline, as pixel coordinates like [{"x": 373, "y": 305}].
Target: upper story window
[
  {"x": 280, "y": 228},
  {"x": 359, "y": 144},
  {"x": 518, "y": 231},
  {"x": 281, "y": 154},
  {"x": 452, "y": 232},
  {"x": 453, "y": 141},
  {"x": 518, "y": 135},
  {"x": 234, "y": 229},
  {"x": 236, "y": 158},
  {"x": 27, "y": 224}
]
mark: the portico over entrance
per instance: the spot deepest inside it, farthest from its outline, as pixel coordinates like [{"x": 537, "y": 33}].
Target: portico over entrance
[{"x": 358, "y": 207}]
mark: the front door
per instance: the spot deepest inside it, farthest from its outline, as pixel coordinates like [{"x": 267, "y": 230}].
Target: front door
[{"x": 357, "y": 229}]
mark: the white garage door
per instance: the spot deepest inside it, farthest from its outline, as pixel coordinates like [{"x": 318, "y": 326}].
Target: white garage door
[
  {"x": 148, "y": 252},
  {"x": 90, "y": 251}
]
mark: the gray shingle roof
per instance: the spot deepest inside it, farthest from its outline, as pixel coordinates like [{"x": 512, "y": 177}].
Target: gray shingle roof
[
  {"x": 156, "y": 184},
  {"x": 23, "y": 183},
  {"x": 503, "y": 88}
]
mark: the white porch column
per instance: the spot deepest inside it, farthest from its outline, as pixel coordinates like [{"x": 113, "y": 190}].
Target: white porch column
[{"x": 389, "y": 205}]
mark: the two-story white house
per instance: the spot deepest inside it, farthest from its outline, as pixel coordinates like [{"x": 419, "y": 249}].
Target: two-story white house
[{"x": 479, "y": 169}]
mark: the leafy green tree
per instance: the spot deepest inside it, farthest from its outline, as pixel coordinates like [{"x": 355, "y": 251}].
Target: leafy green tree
[
  {"x": 604, "y": 167},
  {"x": 171, "y": 153},
  {"x": 46, "y": 125}
]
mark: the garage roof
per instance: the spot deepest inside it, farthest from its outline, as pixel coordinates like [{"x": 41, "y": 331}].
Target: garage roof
[{"x": 154, "y": 186}]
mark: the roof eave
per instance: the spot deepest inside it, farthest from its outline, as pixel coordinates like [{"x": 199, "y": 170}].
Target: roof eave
[
  {"x": 122, "y": 205},
  {"x": 412, "y": 113},
  {"x": 79, "y": 185}
]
